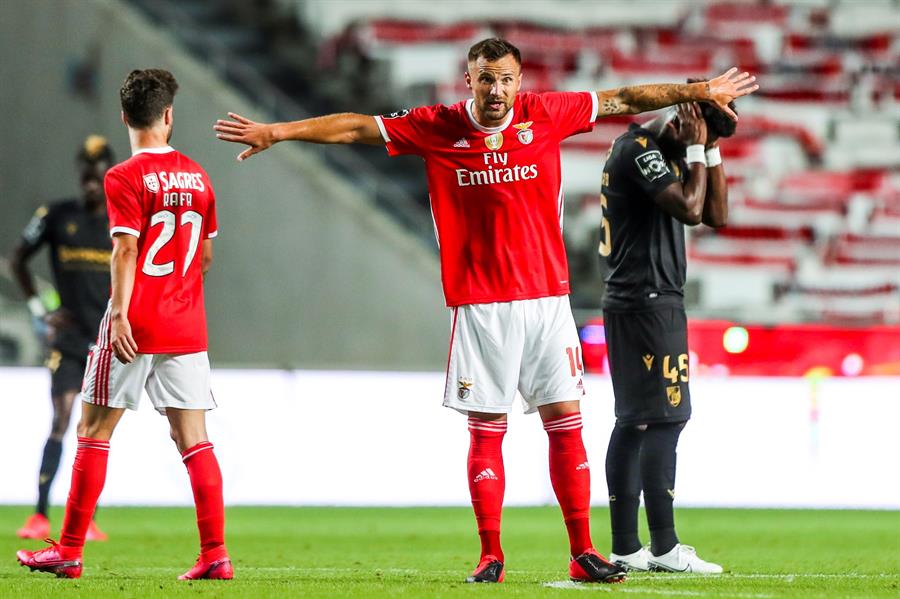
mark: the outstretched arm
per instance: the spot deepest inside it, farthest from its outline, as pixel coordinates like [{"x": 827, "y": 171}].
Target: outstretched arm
[
  {"x": 641, "y": 98},
  {"x": 343, "y": 128}
]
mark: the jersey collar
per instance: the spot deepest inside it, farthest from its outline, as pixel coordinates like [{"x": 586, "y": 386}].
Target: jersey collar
[
  {"x": 161, "y": 150},
  {"x": 470, "y": 103}
]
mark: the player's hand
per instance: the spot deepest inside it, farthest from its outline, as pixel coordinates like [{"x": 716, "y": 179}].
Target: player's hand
[
  {"x": 728, "y": 86},
  {"x": 244, "y": 131},
  {"x": 122, "y": 343},
  {"x": 691, "y": 126}
]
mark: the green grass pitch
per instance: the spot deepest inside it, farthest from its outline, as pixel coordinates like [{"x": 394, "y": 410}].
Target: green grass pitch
[{"x": 369, "y": 552}]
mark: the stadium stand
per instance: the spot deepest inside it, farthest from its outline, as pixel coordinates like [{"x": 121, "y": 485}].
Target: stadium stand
[{"x": 814, "y": 170}]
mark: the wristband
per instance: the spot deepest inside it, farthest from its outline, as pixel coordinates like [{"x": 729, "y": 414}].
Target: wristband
[
  {"x": 696, "y": 153},
  {"x": 36, "y": 307},
  {"x": 713, "y": 157}
]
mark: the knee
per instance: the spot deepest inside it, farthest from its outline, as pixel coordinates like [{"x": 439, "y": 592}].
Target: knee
[
  {"x": 176, "y": 438},
  {"x": 91, "y": 430},
  {"x": 187, "y": 438}
]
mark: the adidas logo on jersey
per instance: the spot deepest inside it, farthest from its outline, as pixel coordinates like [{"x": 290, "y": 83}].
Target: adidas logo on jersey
[
  {"x": 462, "y": 143},
  {"x": 583, "y": 466},
  {"x": 486, "y": 474}
]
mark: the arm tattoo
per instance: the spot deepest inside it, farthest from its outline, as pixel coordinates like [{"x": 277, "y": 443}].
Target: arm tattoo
[
  {"x": 641, "y": 98},
  {"x": 612, "y": 106}
]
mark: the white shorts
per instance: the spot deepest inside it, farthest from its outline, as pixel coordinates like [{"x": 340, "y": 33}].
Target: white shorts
[
  {"x": 530, "y": 346},
  {"x": 171, "y": 380}
]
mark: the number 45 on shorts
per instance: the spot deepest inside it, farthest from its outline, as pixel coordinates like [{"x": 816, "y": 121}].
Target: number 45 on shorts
[{"x": 669, "y": 371}]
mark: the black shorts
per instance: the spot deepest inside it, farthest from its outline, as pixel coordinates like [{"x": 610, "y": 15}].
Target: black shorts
[
  {"x": 66, "y": 371},
  {"x": 648, "y": 360}
]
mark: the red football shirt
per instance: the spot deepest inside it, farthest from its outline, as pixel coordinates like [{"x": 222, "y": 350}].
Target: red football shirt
[
  {"x": 165, "y": 199},
  {"x": 496, "y": 193}
]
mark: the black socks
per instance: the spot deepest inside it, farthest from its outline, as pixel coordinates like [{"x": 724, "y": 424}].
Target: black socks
[
  {"x": 642, "y": 459},
  {"x": 623, "y": 479},
  {"x": 658, "y": 481},
  {"x": 49, "y": 466}
]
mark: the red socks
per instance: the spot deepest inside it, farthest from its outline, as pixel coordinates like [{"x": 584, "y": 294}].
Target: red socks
[
  {"x": 487, "y": 481},
  {"x": 571, "y": 478},
  {"x": 206, "y": 481},
  {"x": 89, "y": 475},
  {"x": 88, "y": 478}
]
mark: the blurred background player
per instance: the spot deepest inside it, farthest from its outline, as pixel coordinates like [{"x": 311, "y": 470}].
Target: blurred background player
[
  {"x": 76, "y": 231},
  {"x": 494, "y": 180},
  {"x": 659, "y": 177},
  {"x": 162, "y": 219}
]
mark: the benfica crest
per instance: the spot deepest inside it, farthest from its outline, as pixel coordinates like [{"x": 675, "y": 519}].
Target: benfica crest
[
  {"x": 525, "y": 134},
  {"x": 151, "y": 181},
  {"x": 464, "y": 388}
]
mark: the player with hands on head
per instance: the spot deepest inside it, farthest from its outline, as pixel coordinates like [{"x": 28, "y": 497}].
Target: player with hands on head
[
  {"x": 493, "y": 168},
  {"x": 76, "y": 233},
  {"x": 152, "y": 338},
  {"x": 659, "y": 177}
]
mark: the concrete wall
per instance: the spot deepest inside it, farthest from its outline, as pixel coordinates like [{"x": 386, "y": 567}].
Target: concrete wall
[{"x": 307, "y": 274}]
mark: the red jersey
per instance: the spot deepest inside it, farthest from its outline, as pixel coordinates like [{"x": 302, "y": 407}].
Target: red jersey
[
  {"x": 165, "y": 199},
  {"x": 496, "y": 193}
]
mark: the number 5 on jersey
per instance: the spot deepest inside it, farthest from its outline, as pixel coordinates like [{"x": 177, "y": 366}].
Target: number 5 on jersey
[
  {"x": 167, "y": 218},
  {"x": 605, "y": 232}
]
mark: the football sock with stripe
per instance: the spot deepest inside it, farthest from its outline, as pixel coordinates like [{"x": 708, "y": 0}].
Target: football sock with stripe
[
  {"x": 206, "y": 482},
  {"x": 623, "y": 480},
  {"x": 88, "y": 478},
  {"x": 487, "y": 480},
  {"x": 658, "y": 479},
  {"x": 570, "y": 475},
  {"x": 49, "y": 466}
]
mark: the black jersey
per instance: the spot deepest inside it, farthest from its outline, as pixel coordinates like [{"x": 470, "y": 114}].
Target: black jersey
[
  {"x": 643, "y": 245},
  {"x": 80, "y": 250}
]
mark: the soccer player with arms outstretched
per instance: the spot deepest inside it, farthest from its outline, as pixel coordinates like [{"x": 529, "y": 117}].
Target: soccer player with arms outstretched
[
  {"x": 162, "y": 218},
  {"x": 493, "y": 167}
]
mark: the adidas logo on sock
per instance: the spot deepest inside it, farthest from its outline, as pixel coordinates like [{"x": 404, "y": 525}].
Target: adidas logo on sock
[
  {"x": 486, "y": 474},
  {"x": 462, "y": 143},
  {"x": 583, "y": 466}
]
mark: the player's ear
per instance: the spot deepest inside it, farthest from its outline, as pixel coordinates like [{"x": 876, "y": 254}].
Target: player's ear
[
  {"x": 468, "y": 80},
  {"x": 167, "y": 115},
  {"x": 122, "y": 115}
]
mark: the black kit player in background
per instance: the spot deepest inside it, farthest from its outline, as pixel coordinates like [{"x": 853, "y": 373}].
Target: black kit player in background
[
  {"x": 658, "y": 177},
  {"x": 77, "y": 233}
]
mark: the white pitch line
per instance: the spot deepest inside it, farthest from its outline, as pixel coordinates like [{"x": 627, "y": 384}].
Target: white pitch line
[
  {"x": 633, "y": 578},
  {"x": 566, "y": 584},
  {"x": 788, "y": 576}
]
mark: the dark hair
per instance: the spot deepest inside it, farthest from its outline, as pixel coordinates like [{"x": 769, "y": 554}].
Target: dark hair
[
  {"x": 94, "y": 149},
  {"x": 493, "y": 49},
  {"x": 145, "y": 95},
  {"x": 718, "y": 123}
]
